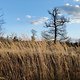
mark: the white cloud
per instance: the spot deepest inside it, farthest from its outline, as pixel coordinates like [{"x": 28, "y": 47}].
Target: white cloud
[
  {"x": 28, "y": 16},
  {"x": 74, "y": 11},
  {"x": 77, "y": 0},
  {"x": 39, "y": 21},
  {"x": 18, "y": 19},
  {"x": 67, "y": 4},
  {"x": 77, "y": 6},
  {"x": 71, "y": 10},
  {"x": 75, "y": 20},
  {"x": 59, "y": 14}
]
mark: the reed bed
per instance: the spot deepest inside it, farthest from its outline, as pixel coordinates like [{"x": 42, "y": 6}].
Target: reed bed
[{"x": 39, "y": 60}]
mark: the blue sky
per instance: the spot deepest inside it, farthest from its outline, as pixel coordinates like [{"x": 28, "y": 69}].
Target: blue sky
[{"x": 23, "y": 15}]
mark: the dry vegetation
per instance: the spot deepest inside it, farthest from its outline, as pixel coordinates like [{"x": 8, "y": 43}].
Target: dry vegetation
[{"x": 26, "y": 60}]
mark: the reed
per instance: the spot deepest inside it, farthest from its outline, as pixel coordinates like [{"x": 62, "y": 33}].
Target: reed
[{"x": 39, "y": 60}]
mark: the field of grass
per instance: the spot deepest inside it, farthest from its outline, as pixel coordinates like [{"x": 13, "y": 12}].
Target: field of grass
[{"x": 26, "y": 60}]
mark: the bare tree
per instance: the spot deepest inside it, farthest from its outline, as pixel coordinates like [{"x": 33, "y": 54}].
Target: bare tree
[
  {"x": 1, "y": 23},
  {"x": 56, "y": 25},
  {"x": 33, "y": 34}
]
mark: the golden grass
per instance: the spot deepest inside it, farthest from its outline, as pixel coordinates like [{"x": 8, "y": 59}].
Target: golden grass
[{"x": 26, "y": 60}]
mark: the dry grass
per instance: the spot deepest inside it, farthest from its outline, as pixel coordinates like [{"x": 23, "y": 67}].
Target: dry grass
[{"x": 25, "y": 60}]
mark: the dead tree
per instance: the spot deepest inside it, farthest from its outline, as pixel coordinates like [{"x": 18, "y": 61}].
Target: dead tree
[
  {"x": 1, "y": 23},
  {"x": 33, "y": 34},
  {"x": 56, "y": 25}
]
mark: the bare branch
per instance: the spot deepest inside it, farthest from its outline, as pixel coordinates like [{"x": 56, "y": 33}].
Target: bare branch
[{"x": 57, "y": 24}]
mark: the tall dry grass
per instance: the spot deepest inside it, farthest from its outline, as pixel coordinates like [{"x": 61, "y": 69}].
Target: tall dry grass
[{"x": 26, "y": 60}]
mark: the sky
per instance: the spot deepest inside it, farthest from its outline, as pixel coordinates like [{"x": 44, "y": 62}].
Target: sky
[{"x": 23, "y": 15}]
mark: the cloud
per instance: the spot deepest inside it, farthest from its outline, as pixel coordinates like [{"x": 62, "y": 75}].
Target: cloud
[
  {"x": 77, "y": 6},
  {"x": 67, "y": 4},
  {"x": 74, "y": 11},
  {"x": 39, "y": 21},
  {"x": 28, "y": 16},
  {"x": 77, "y": 0},
  {"x": 75, "y": 20},
  {"x": 18, "y": 19}
]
